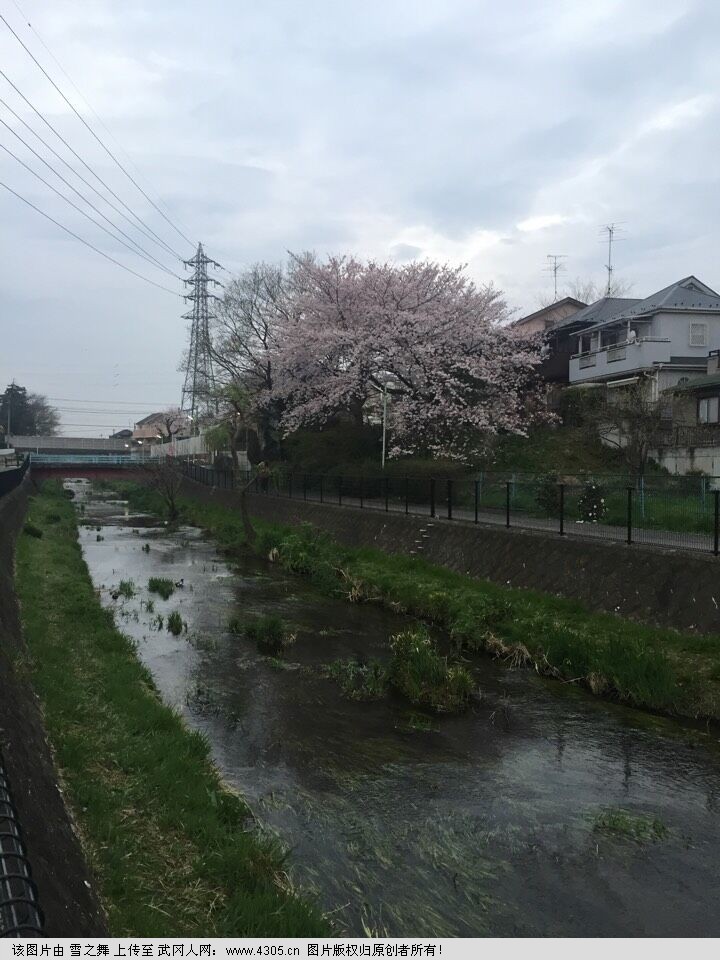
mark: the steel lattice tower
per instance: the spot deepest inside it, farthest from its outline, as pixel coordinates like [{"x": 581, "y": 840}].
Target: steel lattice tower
[{"x": 198, "y": 395}]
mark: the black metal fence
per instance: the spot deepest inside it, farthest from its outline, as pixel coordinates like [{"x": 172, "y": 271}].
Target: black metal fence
[
  {"x": 9, "y": 479},
  {"x": 20, "y": 914},
  {"x": 681, "y": 512}
]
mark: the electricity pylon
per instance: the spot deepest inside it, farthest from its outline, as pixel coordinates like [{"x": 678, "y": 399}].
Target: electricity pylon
[{"x": 198, "y": 395}]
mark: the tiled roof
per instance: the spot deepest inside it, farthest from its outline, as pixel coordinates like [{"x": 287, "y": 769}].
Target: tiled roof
[{"x": 606, "y": 308}]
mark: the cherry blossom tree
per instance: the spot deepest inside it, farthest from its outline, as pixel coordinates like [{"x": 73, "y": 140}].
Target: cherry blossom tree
[{"x": 424, "y": 332}]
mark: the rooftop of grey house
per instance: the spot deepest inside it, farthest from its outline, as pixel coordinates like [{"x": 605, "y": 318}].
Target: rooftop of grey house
[
  {"x": 606, "y": 308},
  {"x": 686, "y": 295}
]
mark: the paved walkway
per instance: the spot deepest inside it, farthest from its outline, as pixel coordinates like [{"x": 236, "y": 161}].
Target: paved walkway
[{"x": 701, "y": 542}]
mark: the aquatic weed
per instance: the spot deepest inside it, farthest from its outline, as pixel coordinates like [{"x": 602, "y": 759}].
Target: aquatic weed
[
  {"x": 162, "y": 585},
  {"x": 175, "y": 623},
  {"x": 640, "y": 827},
  {"x": 359, "y": 679}
]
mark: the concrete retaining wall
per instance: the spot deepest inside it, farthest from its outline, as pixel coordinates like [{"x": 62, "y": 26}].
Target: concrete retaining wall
[
  {"x": 54, "y": 850},
  {"x": 666, "y": 588}
]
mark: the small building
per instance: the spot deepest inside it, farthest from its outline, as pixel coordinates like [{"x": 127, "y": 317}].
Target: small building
[
  {"x": 547, "y": 320},
  {"x": 547, "y": 317},
  {"x": 663, "y": 338},
  {"x": 162, "y": 425}
]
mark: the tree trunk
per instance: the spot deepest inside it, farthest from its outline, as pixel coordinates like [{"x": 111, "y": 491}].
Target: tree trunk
[{"x": 248, "y": 528}]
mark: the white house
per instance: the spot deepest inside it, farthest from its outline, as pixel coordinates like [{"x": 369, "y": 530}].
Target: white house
[{"x": 666, "y": 336}]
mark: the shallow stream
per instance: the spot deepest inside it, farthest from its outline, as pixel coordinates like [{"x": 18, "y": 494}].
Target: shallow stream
[{"x": 498, "y": 822}]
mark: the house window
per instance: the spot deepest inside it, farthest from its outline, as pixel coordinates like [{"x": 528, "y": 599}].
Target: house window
[
  {"x": 708, "y": 410},
  {"x": 698, "y": 334}
]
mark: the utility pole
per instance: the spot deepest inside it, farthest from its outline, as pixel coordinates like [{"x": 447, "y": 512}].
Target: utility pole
[
  {"x": 199, "y": 385},
  {"x": 555, "y": 266}
]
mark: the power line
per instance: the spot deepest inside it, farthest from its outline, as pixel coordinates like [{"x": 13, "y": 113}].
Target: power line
[
  {"x": 90, "y": 107},
  {"x": 143, "y": 227},
  {"x": 87, "y": 243},
  {"x": 129, "y": 403},
  {"x": 140, "y": 253},
  {"x": 78, "y": 175},
  {"x": 92, "y": 132}
]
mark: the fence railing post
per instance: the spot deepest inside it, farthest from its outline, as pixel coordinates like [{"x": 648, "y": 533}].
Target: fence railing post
[
  {"x": 339, "y": 491},
  {"x": 387, "y": 494},
  {"x": 449, "y": 496},
  {"x": 477, "y": 498},
  {"x": 432, "y": 496},
  {"x": 290, "y": 476},
  {"x": 304, "y": 486},
  {"x": 362, "y": 491},
  {"x": 629, "y": 513},
  {"x": 562, "y": 509},
  {"x": 407, "y": 494},
  {"x": 716, "y": 537},
  {"x": 321, "y": 489},
  {"x": 508, "y": 494}
]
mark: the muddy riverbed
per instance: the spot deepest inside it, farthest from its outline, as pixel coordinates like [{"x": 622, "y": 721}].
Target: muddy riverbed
[{"x": 541, "y": 811}]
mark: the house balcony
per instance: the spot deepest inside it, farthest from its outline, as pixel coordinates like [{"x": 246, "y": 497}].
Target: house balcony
[{"x": 619, "y": 358}]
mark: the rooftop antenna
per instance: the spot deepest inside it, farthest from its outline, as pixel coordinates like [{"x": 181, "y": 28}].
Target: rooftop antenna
[
  {"x": 555, "y": 266},
  {"x": 611, "y": 229}
]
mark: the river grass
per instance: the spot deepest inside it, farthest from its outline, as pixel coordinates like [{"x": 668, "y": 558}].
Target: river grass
[
  {"x": 657, "y": 669},
  {"x": 175, "y": 853}
]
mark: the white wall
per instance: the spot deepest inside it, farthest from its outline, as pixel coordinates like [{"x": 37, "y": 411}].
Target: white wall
[
  {"x": 682, "y": 460},
  {"x": 192, "y": 447}
]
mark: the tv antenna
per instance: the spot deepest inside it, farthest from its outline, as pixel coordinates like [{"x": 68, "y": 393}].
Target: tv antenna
[
  {"x": 611, "y": 229},
  {"x": 555, "y": 266}
]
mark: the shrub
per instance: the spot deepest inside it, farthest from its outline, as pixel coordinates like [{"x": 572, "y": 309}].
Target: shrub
[
  {"x": 127, "y": 589},
  {"x": 592, "y": 504},
  {"x": 547, "y": 494},
  {"x": 161, "y": 585},
  {"x": 419, "y": 672},
  {"x": 32, "y": 531}
]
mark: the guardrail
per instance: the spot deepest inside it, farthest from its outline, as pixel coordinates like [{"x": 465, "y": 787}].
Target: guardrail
[
  {"x": 20, "y": 913},
  {"x": 84, "y": 460},
  {"x": 680, "y": 515}
]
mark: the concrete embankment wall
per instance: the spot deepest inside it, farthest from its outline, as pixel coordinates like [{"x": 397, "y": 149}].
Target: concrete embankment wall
[
  {"x": 53, "y": 848},
  {"x": 662, "y": 587}
]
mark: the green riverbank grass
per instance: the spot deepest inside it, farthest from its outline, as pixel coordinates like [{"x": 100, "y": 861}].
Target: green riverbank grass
[
  {"x": 174, "y": 852},
  {"x": 660, "y": 670}
]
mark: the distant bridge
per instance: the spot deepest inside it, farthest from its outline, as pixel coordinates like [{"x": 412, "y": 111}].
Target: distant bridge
[{"x": 68, "y": 445}]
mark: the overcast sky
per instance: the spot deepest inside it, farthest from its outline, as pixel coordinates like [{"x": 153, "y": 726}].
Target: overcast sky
[{"x": 479, "y": 132}]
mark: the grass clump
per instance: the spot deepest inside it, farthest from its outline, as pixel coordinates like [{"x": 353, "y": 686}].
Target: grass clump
[
  {"x": 419, "y": 672},
  {"x": 126, "y": 588},
  {"x": 32, "y": 531},
  {"x": 270, "y": 633},
  {"x": 161, "y": 585},
  {"x": 632, "y": 826},
  {"x": 359, "y": 679},
  {"x": 175, "y": 853},
  {"x": 175, "y": 623}
]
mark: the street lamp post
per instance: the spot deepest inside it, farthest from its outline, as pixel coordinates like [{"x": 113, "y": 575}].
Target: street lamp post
[{"x": 384, "y": 391}]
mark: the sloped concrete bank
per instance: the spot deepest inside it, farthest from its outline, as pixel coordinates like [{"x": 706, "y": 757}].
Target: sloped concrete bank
[
  {"x": 58, "y": 864},
  {"x": 664, "y": 587}
]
